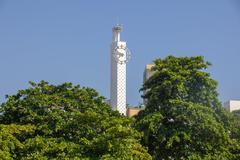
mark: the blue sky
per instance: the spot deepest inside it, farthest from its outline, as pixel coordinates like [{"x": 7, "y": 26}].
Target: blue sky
[{"x": 69, "y": 41}]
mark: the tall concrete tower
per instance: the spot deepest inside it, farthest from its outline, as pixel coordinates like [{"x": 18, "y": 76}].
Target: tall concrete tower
[{"x": 119, "y": 57}]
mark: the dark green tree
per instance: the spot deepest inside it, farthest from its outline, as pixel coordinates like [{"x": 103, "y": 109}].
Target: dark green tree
[
  {"x": 70, "y": 122},
  {"x": 235, "y": 119},
  {"x": 183, "y": 118},
  {"x": 235, "y": 132}
]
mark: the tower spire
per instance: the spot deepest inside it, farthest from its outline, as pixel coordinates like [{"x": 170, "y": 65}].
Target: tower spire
[{"x": 116, "y": 33}]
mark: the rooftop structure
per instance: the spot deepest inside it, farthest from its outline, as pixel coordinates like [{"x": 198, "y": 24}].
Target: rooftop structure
[
  {"x": 232, "y": 105},
  {"x": 148, "y": 72}
]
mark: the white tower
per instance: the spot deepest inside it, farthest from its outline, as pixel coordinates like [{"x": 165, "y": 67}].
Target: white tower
[{"x": 119, "y": 57}]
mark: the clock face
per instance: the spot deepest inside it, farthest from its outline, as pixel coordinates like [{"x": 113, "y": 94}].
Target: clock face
[{"x": 121, "y": 54}]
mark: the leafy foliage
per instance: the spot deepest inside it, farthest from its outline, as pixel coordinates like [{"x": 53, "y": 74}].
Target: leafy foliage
[
  {"x": 10, "y": 136},
  {"x": 183, "y": 118},
  {"x": 235, "y": 132},
  {"x": 182, "y": 79},
  {"x": 70, "y": 122}
]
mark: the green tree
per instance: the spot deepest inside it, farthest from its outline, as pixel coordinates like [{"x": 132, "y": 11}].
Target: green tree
[
  {"x": 70, "y": 122},
  {"x": 10, "y": 136},
  {"x": 235, "y": 131},
  {"x": 183, "y": 118}
]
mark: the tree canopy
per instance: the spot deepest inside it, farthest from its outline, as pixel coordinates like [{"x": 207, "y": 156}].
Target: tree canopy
[
  {"x": 184, "y": 118},
  {"x": 65, "y": 122}
]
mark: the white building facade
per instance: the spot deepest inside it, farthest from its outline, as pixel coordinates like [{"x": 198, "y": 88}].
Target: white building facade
[
  {"x": 232, "y": 105},
  {"x": 119, "y": 57}
]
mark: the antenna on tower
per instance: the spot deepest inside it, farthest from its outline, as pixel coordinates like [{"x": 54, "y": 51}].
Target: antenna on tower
[{"x": 118, "y": 21}]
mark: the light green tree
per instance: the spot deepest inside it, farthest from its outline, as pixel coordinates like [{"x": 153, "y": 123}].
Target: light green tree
[
  {"x": 10, "y": 139},
  {"x": 70, "y": 122}
]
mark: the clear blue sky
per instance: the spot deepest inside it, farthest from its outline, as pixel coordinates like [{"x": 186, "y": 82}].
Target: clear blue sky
[{"x": 68, "y": 40}]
